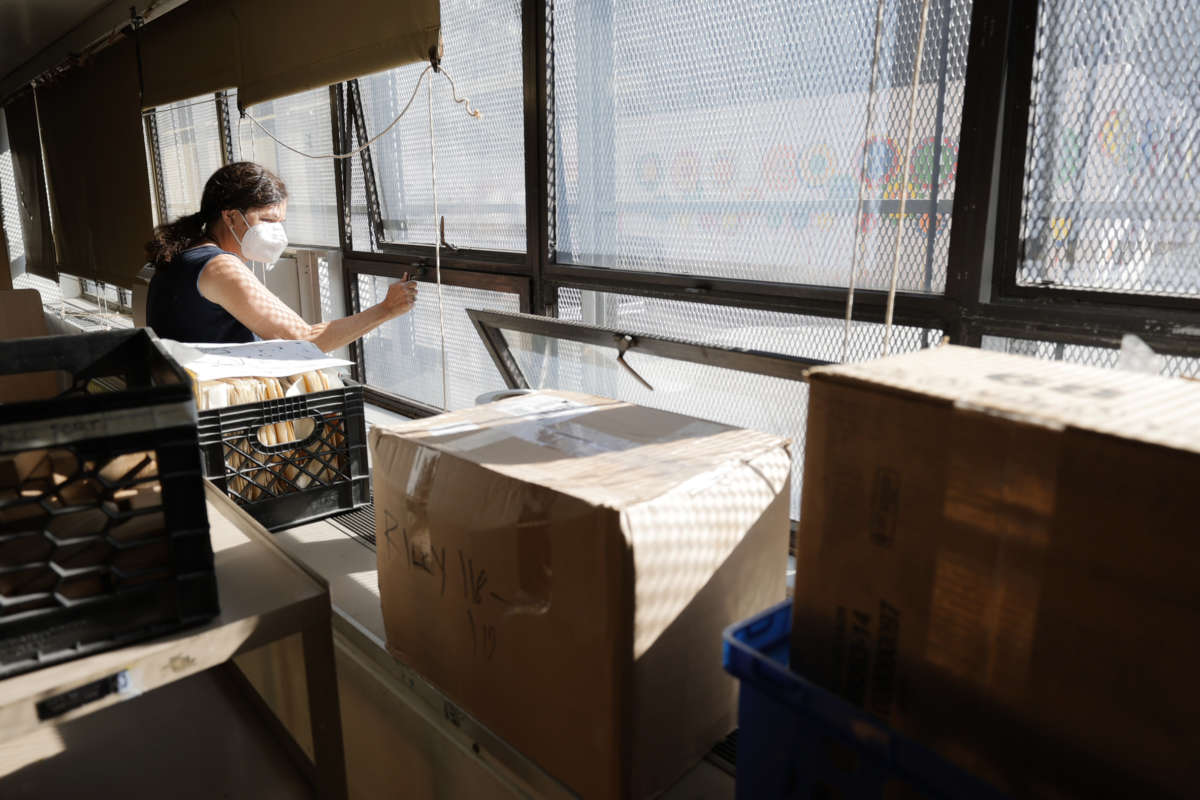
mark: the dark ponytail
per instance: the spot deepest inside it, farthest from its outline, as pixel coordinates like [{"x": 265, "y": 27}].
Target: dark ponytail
[
  {"x": 242, "y": 185},
  {"x": 174, "y": 237}
]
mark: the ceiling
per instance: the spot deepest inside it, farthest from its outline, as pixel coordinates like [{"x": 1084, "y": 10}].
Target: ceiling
[
  {"x": 36, "y": 35},
  {"x": 29, "y": 26}
]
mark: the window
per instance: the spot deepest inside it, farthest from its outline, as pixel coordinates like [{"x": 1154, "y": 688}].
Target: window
[
  {"x": 404, "y": 356},
  {"x": 1088, "y": 355},
  {"x": 734, "y": 398},
  {"x": 189, "y": 151},
  {"x": 1112, "y": 186},
  {"x": 481, "y": 165},
  {"x": 301, "y": 121},
  {"x": 729, "y": 140},
  {"x": 10, "y": 209}
]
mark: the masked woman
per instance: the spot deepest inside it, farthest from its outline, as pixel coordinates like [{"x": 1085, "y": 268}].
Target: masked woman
[{"x": 204, "y": 291}]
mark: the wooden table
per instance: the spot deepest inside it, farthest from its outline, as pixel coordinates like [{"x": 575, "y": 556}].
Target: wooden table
[{"x": 264, "y": 597}]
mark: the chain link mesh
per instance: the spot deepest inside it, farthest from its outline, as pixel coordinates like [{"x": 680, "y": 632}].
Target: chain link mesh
[
  {"x": 729, "y": 396},
  {"x": 481, "y": 162},
  {"x": 10, "y": 209},
  {"x": 728, "y": 139},
  {"x": 189, "y": 149},
  {"x": 303, "y": 121},
  {"x": 1112, "y": 185},
  {"x": 404, "y": 356},
  {"x": 1107, "y": 357}
]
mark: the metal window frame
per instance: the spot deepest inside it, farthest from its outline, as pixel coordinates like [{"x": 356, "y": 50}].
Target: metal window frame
[
  {"x": 491, "y": 326},
  {"x": 981, "y": 296},
  {"x": 150, "y": 130},
  {"x": 1017, "y": 99}
]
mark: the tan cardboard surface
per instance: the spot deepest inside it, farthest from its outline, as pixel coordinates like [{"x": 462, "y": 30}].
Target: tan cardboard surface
[
  {"x": 987, "y": 564},
  {"x": 562, "y": 566}
]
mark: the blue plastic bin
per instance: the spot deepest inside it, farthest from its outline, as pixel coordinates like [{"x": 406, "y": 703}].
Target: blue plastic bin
[{"x": 797, "y": 740}]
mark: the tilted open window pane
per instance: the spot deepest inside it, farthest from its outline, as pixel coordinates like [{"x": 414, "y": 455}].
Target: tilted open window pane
[
  {"x": 301, "y": 121},
  {"x": 1112, "y": 184},
  {"x": 706, "y": 382},
  {"x": 729, "y": 140},
  {"x": 481, "y": 162},
  {"x": 404, "y": 356},
  {"x": 189, "y": 150}
]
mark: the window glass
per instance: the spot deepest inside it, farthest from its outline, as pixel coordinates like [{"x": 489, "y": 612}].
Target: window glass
[
  {"x": 729, "y": 140},
  {"x": 732, "y": 397},
  {"x": 480, "y": 162},
  {"x": 1174, "y": 366},
  {"x": 404, "y": 356},
  {"x": 301, "y": 121},
  {"x": 10, "y": 209},
  {"x": 189, "y": 150},
  {"x": 1112, "y": 184}
]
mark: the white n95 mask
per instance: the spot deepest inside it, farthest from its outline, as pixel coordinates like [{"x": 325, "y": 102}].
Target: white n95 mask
[{"x": 263, "y": 242}]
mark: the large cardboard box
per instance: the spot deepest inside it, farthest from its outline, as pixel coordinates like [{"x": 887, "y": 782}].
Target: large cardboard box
[
  {"x": 562, "y": 566},
  {"x": 1001, "y": 556}
]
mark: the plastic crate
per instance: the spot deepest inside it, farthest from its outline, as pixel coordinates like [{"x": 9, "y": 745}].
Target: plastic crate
[
  {"x": 797, "y": 740},
  {"x": 285, "y": 485},
  {"x": 103, "y": 525}
]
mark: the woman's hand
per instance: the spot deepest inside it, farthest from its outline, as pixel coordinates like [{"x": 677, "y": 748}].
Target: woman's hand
[{"x": 400, "y": 297}]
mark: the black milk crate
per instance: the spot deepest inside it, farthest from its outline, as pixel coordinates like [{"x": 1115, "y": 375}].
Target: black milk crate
[
  {"x": 284, "y": 485},
  {"x": 104, "y": 534}
]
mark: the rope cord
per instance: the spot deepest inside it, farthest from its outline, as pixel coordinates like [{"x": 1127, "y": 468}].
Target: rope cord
[
  {"x": 437, "y": 252},
  {"x": 908, "y": 143},
  {"x": 464, "y": 101},
  {"x": 858, "y": 217}
]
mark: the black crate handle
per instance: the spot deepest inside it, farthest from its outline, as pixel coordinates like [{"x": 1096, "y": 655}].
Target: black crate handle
[{"x": 271, "y": 449}]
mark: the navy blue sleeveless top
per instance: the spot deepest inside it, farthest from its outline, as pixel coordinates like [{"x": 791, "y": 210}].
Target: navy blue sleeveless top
[{"x": 175, "y": 309}]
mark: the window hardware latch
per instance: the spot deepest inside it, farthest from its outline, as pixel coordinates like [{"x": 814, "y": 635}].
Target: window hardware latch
[
  {"x": 442, "y": 236},
  {"x": 624, "y": 344}
]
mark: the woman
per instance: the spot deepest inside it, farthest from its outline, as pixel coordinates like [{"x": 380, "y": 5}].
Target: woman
[{"x": 202, "y": 289}]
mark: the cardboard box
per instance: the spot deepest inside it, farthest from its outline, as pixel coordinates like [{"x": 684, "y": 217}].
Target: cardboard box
[
  {"x": 562, "y": 566},
  {"x": 999, "y": 555}
]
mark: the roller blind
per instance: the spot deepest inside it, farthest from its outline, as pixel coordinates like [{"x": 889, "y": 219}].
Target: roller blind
[
  {"x": 190, "y": 51},
  {"x": 26, "y": 152},
  {"x": 96, "y": 165},
  {"x": 272, "y": 48}
]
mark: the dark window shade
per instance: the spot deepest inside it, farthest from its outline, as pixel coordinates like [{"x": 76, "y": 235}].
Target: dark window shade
[
  {"x": 273, "y": 48},
  {"x": 30, "y": 180},
  {"x": 190, "y": 51},
  {"x": 96, "y": 167}
]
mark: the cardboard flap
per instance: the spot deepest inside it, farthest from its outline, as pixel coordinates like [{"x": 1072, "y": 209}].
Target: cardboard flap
[
  {"x": 601, "y": 451},
  {"x": 1051, "y": 394}
]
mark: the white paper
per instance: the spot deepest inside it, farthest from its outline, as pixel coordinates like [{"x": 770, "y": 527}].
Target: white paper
[
  {"x": 278, "y": 358},
  {"x": 535, "y": 404}
]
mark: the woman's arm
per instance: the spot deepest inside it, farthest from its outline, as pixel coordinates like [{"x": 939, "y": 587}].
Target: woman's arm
[{"x": 226, "y": 281}]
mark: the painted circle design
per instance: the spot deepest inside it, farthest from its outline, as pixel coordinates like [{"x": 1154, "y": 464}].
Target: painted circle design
[
  {"x": 881, "y": 161},
  {"x": 921, "y": 170},
  {"x": 817, "y": 164}
]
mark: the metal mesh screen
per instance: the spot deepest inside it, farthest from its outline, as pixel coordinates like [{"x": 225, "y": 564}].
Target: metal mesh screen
[
  {"x": 728, "y": 140},
  {"x": 404, "y": 357},
  {"x": 10, "y": 209},
  {"x": 728, "y": 396},
  {"x": 1112, "y": 185},
  {"x": 1174, "y": 366},
  {"x": 189, "y": 149},
  {"x": 481, "y": 162},
  {"x": 302, "y": 120}
]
